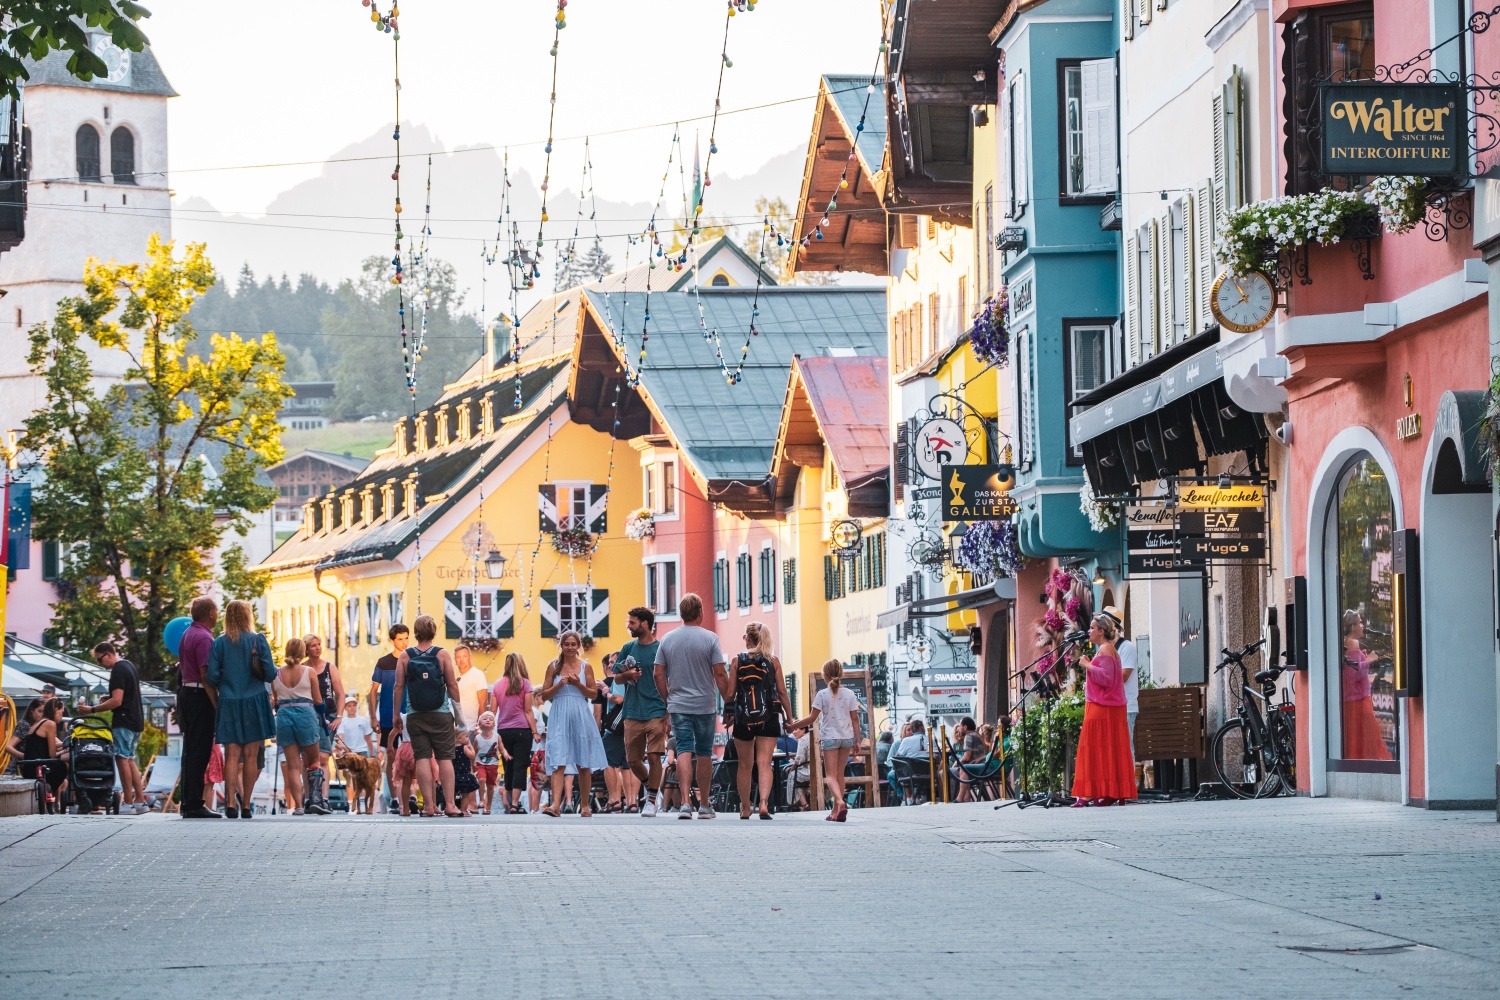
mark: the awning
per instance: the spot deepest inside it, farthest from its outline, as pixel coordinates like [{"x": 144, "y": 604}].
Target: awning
[
  {"x": 1164, "y": 425},
  {"x": 947, "y": 604},
  {"x": 1461, "y": 466}
]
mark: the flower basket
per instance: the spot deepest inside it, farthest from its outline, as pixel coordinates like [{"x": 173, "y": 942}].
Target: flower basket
[
  {"x": 990, "y": 548},
  {"x": 1102, "y": 517},
  {"x": 989, "y": 336},
  {"x": 573, "y": 541},
  {"x": 640, "y": 525}
]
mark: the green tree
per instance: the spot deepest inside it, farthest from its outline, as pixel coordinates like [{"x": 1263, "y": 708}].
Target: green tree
[
  {"x": 129, "y": 486},
  {"x": 370, "y": 377},
  {"x": 32, "y": 29},
  {"x": 778, "y": 258}
]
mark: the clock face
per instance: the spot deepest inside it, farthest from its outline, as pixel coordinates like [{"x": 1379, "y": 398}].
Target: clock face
[
  {"x": 1243, "y": 303},
  {"x": 116, "y": 59}
]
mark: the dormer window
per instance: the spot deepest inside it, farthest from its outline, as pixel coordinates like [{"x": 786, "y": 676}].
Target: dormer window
[
  {"x": 326, "y": 506},
  {"x": 346, "y": 509},
  {"x": 409, "y": 498},
  {"x": 464, "y": 429},
  {"x": 487, "y": 414},
  {"x": 122, "y": 155},
  {"x": 421, "y": 433},
  {"x": 309, "y": 519},
  {"x": 388, "y": 500},
  {"x": 401, "y": 440},
  {"x": 367, "y": 505},
  {"x": 441, "y": 435},
  {"x": 86, "y": 150}
]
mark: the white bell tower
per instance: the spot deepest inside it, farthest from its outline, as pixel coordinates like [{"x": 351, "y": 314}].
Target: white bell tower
[{"x": 98, "y": 188}]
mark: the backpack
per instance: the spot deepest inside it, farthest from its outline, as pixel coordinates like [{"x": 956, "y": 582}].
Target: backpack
[
  {"x": 754, "y": 690},
  {"x": 426, "y": 686}
]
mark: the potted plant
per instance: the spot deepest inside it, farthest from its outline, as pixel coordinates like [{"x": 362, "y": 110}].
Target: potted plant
[
  {"x": 640, "y": 524},
  {"x": 573, "y": 541}
]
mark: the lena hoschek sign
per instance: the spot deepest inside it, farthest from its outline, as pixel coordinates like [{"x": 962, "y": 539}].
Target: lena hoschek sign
[{"x": 1394, "y": 128}]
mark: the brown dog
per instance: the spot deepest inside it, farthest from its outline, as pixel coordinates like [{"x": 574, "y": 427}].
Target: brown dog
[{"x": 363, "y": 776}]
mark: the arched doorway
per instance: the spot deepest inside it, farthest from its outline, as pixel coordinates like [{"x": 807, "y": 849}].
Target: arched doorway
[{"x": 1458, "y": 691}]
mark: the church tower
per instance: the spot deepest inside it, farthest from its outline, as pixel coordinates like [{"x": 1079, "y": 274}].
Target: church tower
[{"x": 98, "y": 189}]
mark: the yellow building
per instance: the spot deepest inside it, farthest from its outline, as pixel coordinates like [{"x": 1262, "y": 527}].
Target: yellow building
[{"x": 469, "y": 516}]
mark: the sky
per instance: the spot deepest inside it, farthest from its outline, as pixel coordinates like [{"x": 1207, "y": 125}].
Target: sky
[{"x": 300, "y": 81}]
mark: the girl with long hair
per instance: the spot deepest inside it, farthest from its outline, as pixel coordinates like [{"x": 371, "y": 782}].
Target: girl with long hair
[
  {"x": 511, "y": 697},
  {"x": 758, "y": 698},
  {"x": 240, "y": 668},
  {"x": 44, "y": 742},
  {"x": 838, "y": 735},
  {"x": 572, "y": 733},
  {"x": 1104, "y": 770}
]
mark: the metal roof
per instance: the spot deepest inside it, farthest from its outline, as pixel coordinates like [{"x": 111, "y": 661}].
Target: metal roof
[
  {"x": 850, "y": 399},
  {"x": 729, "y": 432},
  {"x": 848, "y": 93},
  {"x": 146, "y": 76}
]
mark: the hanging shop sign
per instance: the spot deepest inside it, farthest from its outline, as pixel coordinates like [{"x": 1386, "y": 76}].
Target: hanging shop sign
[
  {"x": 940, "y": 442},
  {"x": 1221, "y": 522},
  {"x": 978, "y": 492},
  {"x": 1394, "y": 128},
  {"x": 1160, "y": 562},
  {"x": 1212, "y": 496},
  {"x": 1211, "y": 523},
  {"x": 950, "y": 690},
  {"x": 1223, "y": 549}
]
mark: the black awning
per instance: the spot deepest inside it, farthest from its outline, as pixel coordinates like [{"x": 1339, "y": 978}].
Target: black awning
[
  {"x": 947, "y": 604},
  {"x": 1461, "y": 466},
  {"x": 1149, "y": 369}
]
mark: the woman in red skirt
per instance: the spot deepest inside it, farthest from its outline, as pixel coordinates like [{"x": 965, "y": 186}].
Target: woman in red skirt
[{"x": 1104, "y": 771}]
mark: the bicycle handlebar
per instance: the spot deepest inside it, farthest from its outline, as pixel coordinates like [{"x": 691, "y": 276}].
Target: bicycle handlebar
[{"x": 1240, "y": 656}]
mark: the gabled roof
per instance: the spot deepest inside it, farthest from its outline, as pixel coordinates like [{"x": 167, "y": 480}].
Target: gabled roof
[
  {"x": 855, "y": 237},
  {"x": 726, "y": 433},
  {"x": 841, "y": 404},
  {"x": 348, "y": 462}
]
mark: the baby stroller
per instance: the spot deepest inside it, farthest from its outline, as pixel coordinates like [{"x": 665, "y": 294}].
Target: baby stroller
[{"x": 91, "y": 764}]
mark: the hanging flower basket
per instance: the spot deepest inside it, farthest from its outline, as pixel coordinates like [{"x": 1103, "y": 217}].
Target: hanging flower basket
[
  {"x": 989, "y": 337},
  {"x": 1489, "y": 426},
  {"x": 1102, "y": 517},
  {"x": 990, "y": 548},
  {"x": 640, "y": 524},
  {"x": 573, "y": 541}
]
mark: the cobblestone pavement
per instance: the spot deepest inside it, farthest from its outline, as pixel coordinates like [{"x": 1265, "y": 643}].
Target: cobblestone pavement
[{"x": 1285, "y": 898}]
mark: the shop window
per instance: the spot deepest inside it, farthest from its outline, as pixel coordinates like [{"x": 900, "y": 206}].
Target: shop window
[{"x": 1367, "y": 725}]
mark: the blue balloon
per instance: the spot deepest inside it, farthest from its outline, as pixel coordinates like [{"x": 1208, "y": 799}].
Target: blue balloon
[{"x": 173, "y": 633}]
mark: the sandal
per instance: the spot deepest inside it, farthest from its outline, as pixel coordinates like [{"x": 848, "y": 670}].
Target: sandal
[
  {"x": 766, "y": 815},
  {"x": 587, "y": 813},
  {"x": 551, "y": 812},
  {"x": 632, "y": 808}
]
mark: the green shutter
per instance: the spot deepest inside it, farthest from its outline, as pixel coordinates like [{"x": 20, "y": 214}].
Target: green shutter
[
  {"x": 505, "y": 627},
  {"x": 599, "y": 613},
  {"x": 599, "y": 523},
  {"x": 50, "y": 560},
  {"x": 828, "y": 583},
  {"x": 453, "y": 614},
  {"x": 548, "y": 609}
]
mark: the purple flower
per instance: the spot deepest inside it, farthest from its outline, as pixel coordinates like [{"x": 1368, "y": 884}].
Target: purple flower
[
  {"x": 989, "y": 337},
  {"x": 1054, "y": 620}
]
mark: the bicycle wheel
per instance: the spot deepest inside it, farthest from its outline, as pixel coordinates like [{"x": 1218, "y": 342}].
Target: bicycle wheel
[
  {"x": 1239, "y": 765},
  {"x": 1284, "y": 736}
]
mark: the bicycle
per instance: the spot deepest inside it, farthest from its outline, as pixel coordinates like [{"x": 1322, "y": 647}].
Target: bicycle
[{"x": 1255, "y": 755}]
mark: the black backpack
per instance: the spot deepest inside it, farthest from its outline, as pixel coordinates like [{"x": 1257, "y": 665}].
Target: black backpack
[
  {"x": 426, "y": 687},
  {"x": 754, "y": 689}
]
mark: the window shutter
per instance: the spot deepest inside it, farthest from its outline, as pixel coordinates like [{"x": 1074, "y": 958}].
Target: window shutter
[
  {"x": 1100, "y": 159},
  {"x": 1023, "y": 148},
  {"x": 1186, "y": 273},
  {"x": 548, "y": 607},
  {"x": 546, "y": 498},
  {"x": 598, "y": 512},
  {"x": 828, "y": 578},
  {"x": 453, "y": 614},
  {"x": 789, "y": 581},
  {"x": 599, "y": 614},
  {"x": 505, "y": 614},
  {"x": 1221, "y": 156},
  {"x": 1204, "y": 270},
  {"x": 51, "y": 560},
  {"x": 1235, "y": 188},
  {"x": 1161, "y": 290},
  {"x": 1143, "y": 11},
  {"x": 1132, "y": 301}
]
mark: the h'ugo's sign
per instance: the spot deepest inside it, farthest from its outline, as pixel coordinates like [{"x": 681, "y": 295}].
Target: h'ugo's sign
[{"x": 1394, "y": 128}]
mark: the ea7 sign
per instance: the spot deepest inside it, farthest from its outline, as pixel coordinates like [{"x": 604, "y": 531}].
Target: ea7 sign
[{"x": 1394, "y": 128}]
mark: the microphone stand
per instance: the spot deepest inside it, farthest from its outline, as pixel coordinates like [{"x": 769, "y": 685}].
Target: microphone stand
[{"x": 1045, "y": 683}]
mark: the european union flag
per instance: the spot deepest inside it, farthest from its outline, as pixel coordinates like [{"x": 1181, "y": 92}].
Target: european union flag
[{"x": 18, "y": 528}]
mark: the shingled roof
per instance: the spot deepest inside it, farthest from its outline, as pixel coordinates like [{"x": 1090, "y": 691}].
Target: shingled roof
[{"x": 727, "y": 433}]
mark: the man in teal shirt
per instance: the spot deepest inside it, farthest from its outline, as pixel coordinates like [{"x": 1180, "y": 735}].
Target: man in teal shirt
[{"x": 645, "y": 712}]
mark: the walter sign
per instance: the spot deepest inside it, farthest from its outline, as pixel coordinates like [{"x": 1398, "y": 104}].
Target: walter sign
[
  {"x": 1394, "y": 128},
  {"x": 978, "y": 492}
]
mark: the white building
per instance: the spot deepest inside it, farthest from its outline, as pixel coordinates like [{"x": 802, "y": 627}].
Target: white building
[{"x": 98, "y": 189}]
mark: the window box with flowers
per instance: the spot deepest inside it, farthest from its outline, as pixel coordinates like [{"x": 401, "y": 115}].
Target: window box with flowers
[
  {"x": 573, "y": 541},
  {"x": 640, "y": 524},
  {"x": 1254, "y": 237}
]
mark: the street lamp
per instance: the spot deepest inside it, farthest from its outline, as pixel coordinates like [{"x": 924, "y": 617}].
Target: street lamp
[
  {"x": 98, "y": 690},
  {"x": 955, "y": 542},
  {"x": 494, "y": 565},
  {"x": 78, "y": 687}
]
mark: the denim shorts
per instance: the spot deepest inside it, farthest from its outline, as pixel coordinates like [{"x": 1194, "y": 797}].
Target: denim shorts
[
  {"x": 694, "y": 733},
  {"x": 297, "y": 726},
  {"x": 837, "y": 744},
  {"x": 125, "y": 742},
  {"x": 325, "y": 736}
]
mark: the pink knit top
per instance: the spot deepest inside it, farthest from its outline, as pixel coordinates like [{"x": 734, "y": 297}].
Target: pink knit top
[{"x": 1106, "y": 682}]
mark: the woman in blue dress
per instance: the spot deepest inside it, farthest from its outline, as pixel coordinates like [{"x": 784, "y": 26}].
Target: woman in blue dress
[
  {"x": 572, "y": 733},
  {"x": 244, "y": 721}
]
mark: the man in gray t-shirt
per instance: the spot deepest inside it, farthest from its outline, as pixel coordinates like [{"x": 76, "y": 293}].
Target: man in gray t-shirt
[{"x": 690, "y": 673}]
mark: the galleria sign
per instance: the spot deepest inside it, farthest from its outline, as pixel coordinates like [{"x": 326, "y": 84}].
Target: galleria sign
[{"x": 1403, "y": 128}]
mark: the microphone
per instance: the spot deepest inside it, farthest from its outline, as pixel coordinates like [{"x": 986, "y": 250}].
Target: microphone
[{"x": 1075, "y": 636}]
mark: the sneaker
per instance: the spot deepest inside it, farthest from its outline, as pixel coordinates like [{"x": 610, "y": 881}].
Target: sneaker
[
  {"x": 297, "y": 811},
  {"x": 705, "y": 812},
  {"x": 649, "y": 809},
  {"x": 684, "y": 813}
]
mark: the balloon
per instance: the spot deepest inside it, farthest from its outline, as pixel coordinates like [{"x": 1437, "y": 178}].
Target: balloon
[{"x": 172, "y": 634}]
